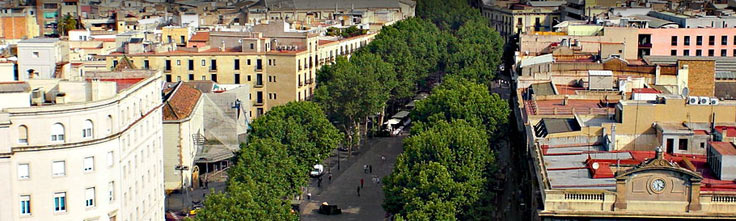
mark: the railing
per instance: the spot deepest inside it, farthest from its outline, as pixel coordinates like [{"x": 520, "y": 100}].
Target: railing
[
  {"x": 585, "y": 196},
  {"x": 723, "y": 198},
  {"x": 570, "y": 111}
]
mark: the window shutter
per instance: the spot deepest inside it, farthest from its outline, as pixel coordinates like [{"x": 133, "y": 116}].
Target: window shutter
[
  {"x": 23, "y": 171},
  {"x": 58, "y": 168}
]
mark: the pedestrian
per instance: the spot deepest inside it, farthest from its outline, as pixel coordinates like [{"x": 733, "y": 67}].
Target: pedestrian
[
  {"x": 370, "y": 168},
  {"x": 383, "y": 158},
  {"x": 319, "y": 182},
  {"x": 361, "y": 182},
  {"x": 329, "y": 177},
  {"x": 358, "y": 191},
  {"x": 365, "y": 168},
  {"x": 309, "y": 196}
]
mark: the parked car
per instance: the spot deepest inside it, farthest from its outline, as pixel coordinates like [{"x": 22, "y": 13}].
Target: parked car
[{"x": 317, "y": 171}]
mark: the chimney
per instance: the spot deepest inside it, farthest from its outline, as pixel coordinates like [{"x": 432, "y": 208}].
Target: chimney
[{"x": 565, "y": 101}]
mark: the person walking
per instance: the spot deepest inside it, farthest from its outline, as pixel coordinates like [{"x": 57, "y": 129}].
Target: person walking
[
  {"x": 358, "y": 191},
  {"x": 329, "y": 177},
  {"x": 370, "y": 168},
  {"x": 309, "y": 196},
  {"x": 365, "y": 168},
  {"x": 361, "y": 182},
  {"x": 319, "y": 182}
]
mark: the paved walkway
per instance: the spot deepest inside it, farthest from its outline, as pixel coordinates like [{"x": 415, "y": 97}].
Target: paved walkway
[{"x": 342, "y": 190}]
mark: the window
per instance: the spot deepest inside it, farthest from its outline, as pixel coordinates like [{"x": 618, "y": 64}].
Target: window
[
  {"x": 213, "y": 65},
  {"x": 682, "y": 145},
  {"x": 259, "y": 79},
  {"x": 178, "y": 78},
  {"x": 168, "y": 78},
  {"x": 711, "y": 40},
  {"x": 87, "y": 129},
  {"x": 203, "y": 62},
  {"x": 191, "y": 64},
  {"x": 111, "y": 191},
  {"x": 698, "y": 52},
  {"x": 60, "y": 202},
  {"x": 237, "y": 78},
  {"x": 724, "y": 52},
  {"x": 25, "y": 205},
  {"x": 724, "y": 40},
  {"x": 247, "y": 62},
  {"x": 167, "y": 65},
  {"x": 58, "y": 168},
  {"x": 35, "y": 54},
  {"x": 674, "y": 40},
  {"x": 204, "y": 77},
  {"x": 236, "y": 64},
  {"x": 248, "y": 78},
  {"x": 191, "y": 77},
  {"x": 23, "y": 171},
  {"x": 213, "y": 77},
  {"x": 711, "y": 52},
  {"x": 259, "y": 64},
  {"x": 259, "y": 97},
  {"x": 89, "y": 164},
  {"x": 57, "y": 132},
  {"x": 22, "y": 134},
  {"x": 686, "y": 52},
  {"x": 89, "y": 197},
  {"x": 702, "y": 145},
  {"x": 734, "y": 53},
  {"x": 181, "y": 39},
  {"x": 687, "y": 40},
  {"x": 178, "y": 62},
  {"x": 110, "y": 158},
  {"x": 699, "y": 40},
  {"x": 673, "y": 52},
  {"x": 146, "y": 64}
]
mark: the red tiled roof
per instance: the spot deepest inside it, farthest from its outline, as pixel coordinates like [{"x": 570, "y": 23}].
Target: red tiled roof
[
  {"x": 201, "y": 36},
  {"x": 181, "y": 104},
  {"x": 724, "y": 148},
  {"x": 324, "y": 42},
  {"x": 729, "y": 131}
]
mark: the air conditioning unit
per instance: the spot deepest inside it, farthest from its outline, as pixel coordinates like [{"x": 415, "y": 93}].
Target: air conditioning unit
[
  {"x": 704, "y": 100},
  {"x": 692, "y": 100},
  {"x": 714, "y": 101},
  {"x": 37, "y": 97}
]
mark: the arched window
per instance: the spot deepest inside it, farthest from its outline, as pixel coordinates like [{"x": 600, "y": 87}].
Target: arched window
[
  {"x": 87, "y": 129},
  {"x": 57, "y": 132},
  {"x": 23, "y": 134}
]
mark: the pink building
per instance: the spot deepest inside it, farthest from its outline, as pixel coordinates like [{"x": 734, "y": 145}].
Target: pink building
[{"x": 711, "y": 42}]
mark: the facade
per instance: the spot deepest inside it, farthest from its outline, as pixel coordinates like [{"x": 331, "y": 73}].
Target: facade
[
  {"x": 84, "y": 149},
  {"x": 281, "y": 66},
  {"x": 513, "y": 19},
  {"x": 38, "y": 58},
  {"x": 18, "y": 23},
  {"x": 711, "y": 42},
  {"x": 344, "y": 12},
  {"x": 183, "y": 115}
]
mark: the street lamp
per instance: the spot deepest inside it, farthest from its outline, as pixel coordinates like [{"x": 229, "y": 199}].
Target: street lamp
[{"x": 181, "y": 170}]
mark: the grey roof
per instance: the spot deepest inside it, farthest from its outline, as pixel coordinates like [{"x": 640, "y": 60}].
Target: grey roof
[
  {"x": 40, "y": 40},
  {"x": 725, "y": 75},
  {"x": 328, "y": 4},
  {"x": 547, "y": 3},
  {"x": 542, "y": 59},
  {"x": 214, "y": 153},
  {"x": 542, "y": 89},
  {"x": 654, "y": 22},
  {"x": 726, "y": 90},
  {"x": 554, "y": 125},
  {"x": 14, "y": 87},
  {"x": 565, "y": 170}
]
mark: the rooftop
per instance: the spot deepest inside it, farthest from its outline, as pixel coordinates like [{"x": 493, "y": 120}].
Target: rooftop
[
  {"x": 725, "y": 148},
  {"x": 39, "y": 40},
  {"x": 180, "y": 102}
]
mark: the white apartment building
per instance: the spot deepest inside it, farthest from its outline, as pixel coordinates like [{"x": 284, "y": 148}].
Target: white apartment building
[
  {"x": 40, "y": 56},
  {"x": 83, "y": 150}
]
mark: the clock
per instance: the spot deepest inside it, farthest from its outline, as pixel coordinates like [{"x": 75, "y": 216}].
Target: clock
[{"x": 658, "y": 185}]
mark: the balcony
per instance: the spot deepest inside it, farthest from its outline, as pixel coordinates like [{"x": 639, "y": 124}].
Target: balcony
[
  {"x": 309, "y": 81},
  {"x": 258, "y": 103},
  {"x": 301, "y": 83}
]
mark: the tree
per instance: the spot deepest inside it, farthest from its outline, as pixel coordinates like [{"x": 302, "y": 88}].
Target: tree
[
  {"x": 353, "y": 90},
  {"x": 302, "y": 127},
  {"x": 457, "y": 98},
  {"x": 477, "y": 52},
  {"x": 66, "y": 24},
  {"x": 451, "y": 162},
  {"x": 258, "y": 185}
]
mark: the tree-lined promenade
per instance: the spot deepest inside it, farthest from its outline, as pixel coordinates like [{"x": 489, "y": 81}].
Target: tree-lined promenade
[{"x": 447, "y": 168}]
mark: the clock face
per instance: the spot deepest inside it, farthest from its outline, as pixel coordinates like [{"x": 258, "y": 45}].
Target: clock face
[{"x": 658, "y": 185}]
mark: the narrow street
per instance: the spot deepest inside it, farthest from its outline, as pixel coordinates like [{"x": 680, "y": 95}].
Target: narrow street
[{"x": 342, "y": 191}]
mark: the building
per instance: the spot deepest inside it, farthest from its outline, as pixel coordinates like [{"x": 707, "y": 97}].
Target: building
[
  {"x": 279, "y": 63},
  {"x": 511, "y": 18},
  {"x": 18, "y": 23},
  {"x": 183, "y": 115},
  {"x": 41, "y": 58},
  {"x": 90, "y": 149},
  {"x": 585, "y": 9},
  {"x": 344, "y": 12}
]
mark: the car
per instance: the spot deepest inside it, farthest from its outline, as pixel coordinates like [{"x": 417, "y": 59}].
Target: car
[{"x": 317, "y": 171}]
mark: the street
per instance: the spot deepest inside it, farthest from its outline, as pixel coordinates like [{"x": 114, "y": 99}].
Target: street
[{"x": 342, "y": 191}]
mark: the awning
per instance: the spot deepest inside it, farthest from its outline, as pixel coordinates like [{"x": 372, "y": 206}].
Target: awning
[
  {"x": 392, "y": 121},
  {"x": 401, "y": 114}
]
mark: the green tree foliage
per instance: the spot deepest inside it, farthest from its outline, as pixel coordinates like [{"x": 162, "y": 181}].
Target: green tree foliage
[
  {"x": 457, "y": 98},
  {"x": 66, "y": 24},
  {"x": 351, "y": 91},
  {"x": 477, "y": 52},
  {"x": 284, "y": 144},
  {"x": 447, "y": 14},
  {"x": 257, "y": 187},
  {"x": 443, "y": 170},
  {"x": 302, "y": 127}
]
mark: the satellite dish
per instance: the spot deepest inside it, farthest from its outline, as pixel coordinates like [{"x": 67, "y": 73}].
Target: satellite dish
[
  {"x": 685, "y": 92},
  {"x": 595, "y": 165}
]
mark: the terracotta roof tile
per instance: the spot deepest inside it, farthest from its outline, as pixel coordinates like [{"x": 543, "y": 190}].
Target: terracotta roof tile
[
  {"x": 181, "y": 104},
  {"x": 200, "y": 36}
]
